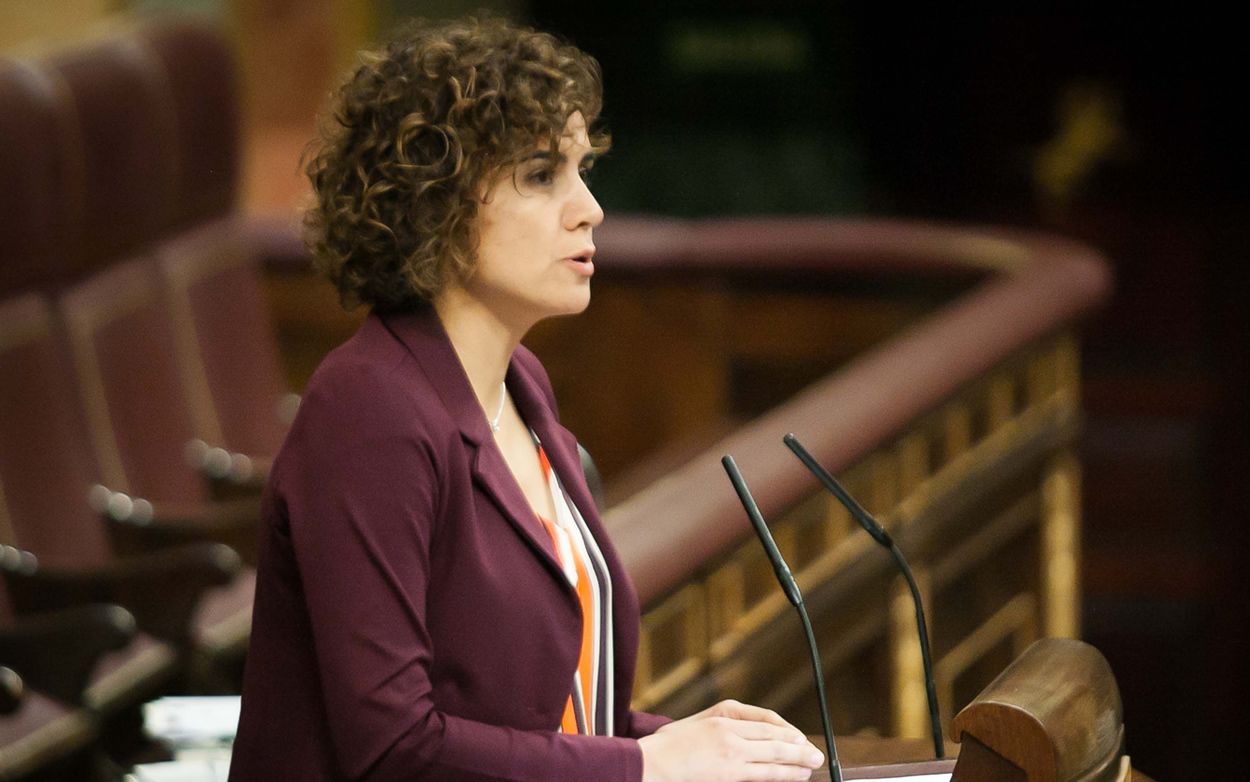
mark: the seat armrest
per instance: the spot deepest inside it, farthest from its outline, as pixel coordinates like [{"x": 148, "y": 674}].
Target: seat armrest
[
  {"x": 137, "y": 526},
  {"x": 594, "y": 481},
  {"x": 56, "y": 652},
  {"x": 239, "y": 485},
  {"x": 11, "y": 690},
  {"x": 229, "y": 474},
  {"x": 162, "y": 589}
]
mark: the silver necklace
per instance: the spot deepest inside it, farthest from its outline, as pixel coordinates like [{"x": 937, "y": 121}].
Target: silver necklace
[{"x": 503, "y": 397}]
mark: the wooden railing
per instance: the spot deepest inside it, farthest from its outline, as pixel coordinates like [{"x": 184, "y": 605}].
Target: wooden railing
[{"x": 946, "y": 395}]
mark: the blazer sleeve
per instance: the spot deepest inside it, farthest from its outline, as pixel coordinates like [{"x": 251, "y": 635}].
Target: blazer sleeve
[
  {"x": 644, "y": 723},
  {"x": 361, "y": 492}
]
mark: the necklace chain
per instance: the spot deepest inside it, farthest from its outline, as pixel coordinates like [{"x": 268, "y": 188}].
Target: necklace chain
[{"x": 503, "y": 398}]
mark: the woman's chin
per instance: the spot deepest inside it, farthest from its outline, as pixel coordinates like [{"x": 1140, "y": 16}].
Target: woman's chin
[{"x": 572, "y": 305}]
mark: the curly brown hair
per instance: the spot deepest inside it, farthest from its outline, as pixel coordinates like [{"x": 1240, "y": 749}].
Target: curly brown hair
[{"x": 418, "y": 133}]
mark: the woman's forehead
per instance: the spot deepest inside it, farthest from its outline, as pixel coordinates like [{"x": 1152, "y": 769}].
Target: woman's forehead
[{"x": 574, "y": 141}]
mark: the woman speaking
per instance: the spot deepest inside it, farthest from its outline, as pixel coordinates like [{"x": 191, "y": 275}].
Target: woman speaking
[{"x": 437, "y": 597}]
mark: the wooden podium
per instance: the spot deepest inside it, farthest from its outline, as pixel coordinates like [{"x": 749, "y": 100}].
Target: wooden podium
[{"x": 1054, "y": 715}]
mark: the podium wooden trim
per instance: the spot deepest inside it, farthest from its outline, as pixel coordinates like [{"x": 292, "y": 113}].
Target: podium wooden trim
[
  {"x": 861, "y": 759},
  {"x": 899, "y": 769}
]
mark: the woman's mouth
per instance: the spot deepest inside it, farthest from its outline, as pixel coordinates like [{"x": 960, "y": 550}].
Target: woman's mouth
[{"x": 583, "y": 263}]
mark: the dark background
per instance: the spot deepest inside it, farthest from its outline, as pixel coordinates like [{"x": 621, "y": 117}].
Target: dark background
[{"x": 932, "y": 113}]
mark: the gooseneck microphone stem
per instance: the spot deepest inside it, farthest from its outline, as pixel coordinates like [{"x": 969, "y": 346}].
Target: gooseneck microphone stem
[
  {"x": 835, "y": 766},
  {"x": 935, "y": 722},
  {"x": 878, "y": 533},
  {"x": 791, "y": 589}
]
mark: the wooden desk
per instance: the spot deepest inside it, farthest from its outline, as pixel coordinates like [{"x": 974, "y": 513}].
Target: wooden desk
[{"x": 872, "y": 757}]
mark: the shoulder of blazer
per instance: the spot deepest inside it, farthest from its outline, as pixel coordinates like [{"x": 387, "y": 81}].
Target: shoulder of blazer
[{"x": 371, "y": 386}]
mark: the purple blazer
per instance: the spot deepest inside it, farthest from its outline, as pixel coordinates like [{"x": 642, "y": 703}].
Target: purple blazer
[{"x": 411, "y": 619}]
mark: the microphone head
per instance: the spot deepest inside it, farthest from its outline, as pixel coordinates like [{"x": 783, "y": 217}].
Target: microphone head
[
  {"x": 784, "y": 577},
  {"x": 744, "y": 496},
  {"x": 865, "y": 519}
]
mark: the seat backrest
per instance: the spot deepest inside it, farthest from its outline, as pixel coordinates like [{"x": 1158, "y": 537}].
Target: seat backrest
[
  {"x": 125, "y": 128},
  {"x": 199, "y": 71},
  {"x": 109, "y": 146},
  {"x": 226, "y": 350},
  {"x": 123, "y": 348},
  {"x": 46, "y": 467},
  {"x": 40, "y": 208}
]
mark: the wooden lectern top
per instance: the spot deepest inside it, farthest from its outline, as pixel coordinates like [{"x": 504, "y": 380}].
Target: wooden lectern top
[
  {"x": 875, "y": 757},
  {"x": 1054, "y": 715}
]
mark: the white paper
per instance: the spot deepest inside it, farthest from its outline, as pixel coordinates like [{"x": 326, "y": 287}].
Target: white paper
[
  {"x": 182, "y": 771},
  {"x": 193, "y": 721}
]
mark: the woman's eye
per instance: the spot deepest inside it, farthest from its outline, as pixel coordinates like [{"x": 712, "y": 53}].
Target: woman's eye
[{"x": 542, "y": 176}]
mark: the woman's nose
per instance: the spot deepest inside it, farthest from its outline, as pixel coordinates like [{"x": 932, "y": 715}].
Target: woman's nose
[{"x": 583, "y": 207}]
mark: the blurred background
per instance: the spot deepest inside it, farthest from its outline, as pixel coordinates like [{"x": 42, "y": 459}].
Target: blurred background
[{"x": 1106, "y": 122}]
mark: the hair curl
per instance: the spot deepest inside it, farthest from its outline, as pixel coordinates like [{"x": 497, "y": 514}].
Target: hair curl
[{"x": 417, "y": 134}]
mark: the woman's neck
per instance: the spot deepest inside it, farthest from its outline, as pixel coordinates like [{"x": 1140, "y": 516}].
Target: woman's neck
[{"x": 482, "y": 341}]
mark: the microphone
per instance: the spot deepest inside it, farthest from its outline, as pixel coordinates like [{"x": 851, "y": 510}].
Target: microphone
[
  {"x": 791, "y": 588},
  {"x": 879, "y": 534}
]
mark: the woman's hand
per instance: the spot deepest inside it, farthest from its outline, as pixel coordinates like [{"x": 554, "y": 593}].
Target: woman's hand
[{"x": 730, "y": 742}]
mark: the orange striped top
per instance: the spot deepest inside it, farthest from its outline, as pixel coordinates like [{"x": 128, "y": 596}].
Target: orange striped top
[{"x": 589, "y": 707}]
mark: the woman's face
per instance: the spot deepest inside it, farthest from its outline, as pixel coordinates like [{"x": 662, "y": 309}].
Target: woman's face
[{"x": 535, "y": 224}]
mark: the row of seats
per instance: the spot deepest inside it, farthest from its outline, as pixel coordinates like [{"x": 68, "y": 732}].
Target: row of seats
[
  {"x": 141, "y": 396},
  {"x": 109, "y": 145}
]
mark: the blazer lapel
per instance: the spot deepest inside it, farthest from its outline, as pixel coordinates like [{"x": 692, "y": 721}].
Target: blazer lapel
[
  {"x": 422, "y": 333},
  {"x": 493, "y": 476}
]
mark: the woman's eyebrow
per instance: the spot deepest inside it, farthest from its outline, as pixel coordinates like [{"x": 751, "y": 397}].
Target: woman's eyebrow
[{"x": 557, "y": 158}]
